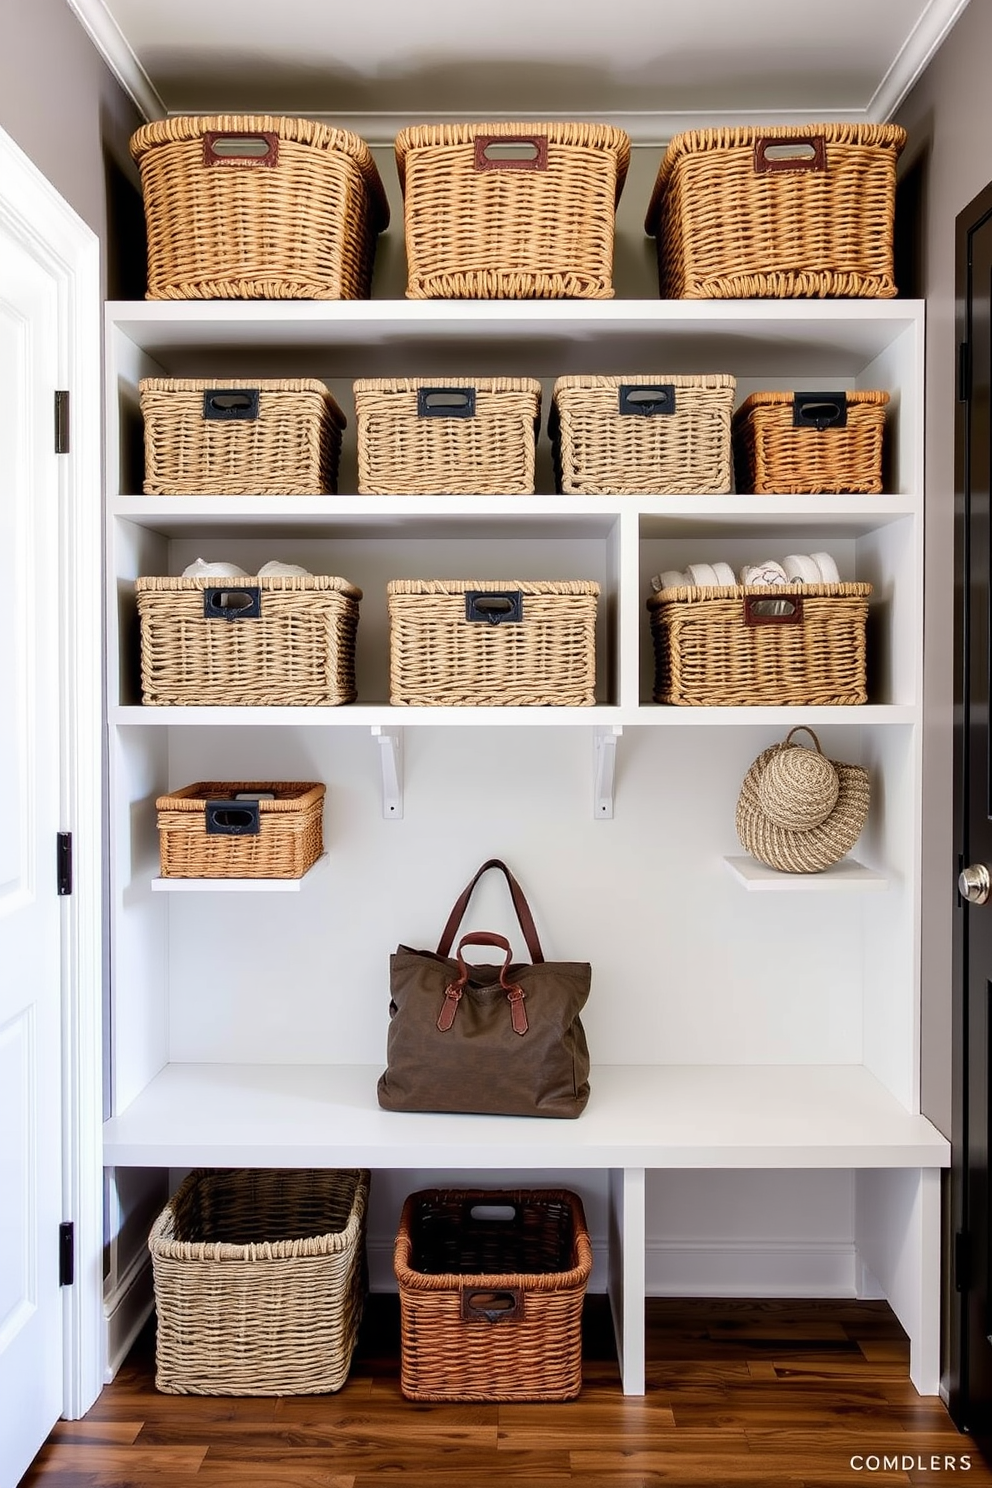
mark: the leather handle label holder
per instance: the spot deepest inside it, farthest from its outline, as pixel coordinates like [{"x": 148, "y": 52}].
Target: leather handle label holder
[
  {"x": 513, "y": 152},
  {"x": 492, "y": 1304},
  {"x": 524, "y": 917},
  {"x": 780, "y": 153},
  {"x": 243, "y": 151},
  {"x": 453, "y": 993}
]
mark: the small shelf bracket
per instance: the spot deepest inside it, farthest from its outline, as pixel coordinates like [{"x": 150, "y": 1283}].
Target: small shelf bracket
[
  {"x": 605, "y": 743},
  {"x": 391, "y": 762}
]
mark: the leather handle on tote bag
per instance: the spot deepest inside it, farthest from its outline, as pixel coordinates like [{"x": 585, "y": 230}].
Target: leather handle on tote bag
[
  {"x": 453, "y": 993},
  {"x": 524, "y": 916}
]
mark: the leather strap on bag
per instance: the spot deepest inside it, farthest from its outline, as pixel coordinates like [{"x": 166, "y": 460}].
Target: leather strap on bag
[
  {"x": 524, "y": 916},
  {"x": 453, "y": 993}
]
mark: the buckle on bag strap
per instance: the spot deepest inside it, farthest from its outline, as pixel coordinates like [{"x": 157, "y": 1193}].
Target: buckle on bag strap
[
  {"x": 449, "y": 1007},
  {"x": 518, "y": 1013}
]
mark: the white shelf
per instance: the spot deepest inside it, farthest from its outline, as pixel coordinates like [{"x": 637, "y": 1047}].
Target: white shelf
[
  {"x": 847, "y": 874},
  {"x": 365, "y": 715},
  {"x": 237, "y": 885},
  {"x": 641, "y": 1116}
]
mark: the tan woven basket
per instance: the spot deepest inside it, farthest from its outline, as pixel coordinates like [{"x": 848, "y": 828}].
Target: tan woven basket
[
  {"x": 511, "y": 211},
  {"x": 258, "y": 206},
  {"x": 259, "y": 1281},
  {"x": 492, "y": 643},
  {"x": 642, "y": 435},
  {"x": 786, "y": 443},
  {"x": 798, "y": 811},
  {"x": 255, "y": 642},
  {"x": 733, "y": 646},
  {"x": 428, "y": 436},
  {"x": 491, "y": 1297},
  {"x": 210, "y": 438},
  {"x": 213, "y": 829},
  {"x": 780, "y": 211}
]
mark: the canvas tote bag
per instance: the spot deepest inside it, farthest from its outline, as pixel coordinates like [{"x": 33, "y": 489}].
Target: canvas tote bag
[{"x": 503, "y": 1039}]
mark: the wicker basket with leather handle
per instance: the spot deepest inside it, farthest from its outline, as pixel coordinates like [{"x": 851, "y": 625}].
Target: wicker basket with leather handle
[
  {"x": 231, "y": 829},
  {"x": 788, "y": 443}
]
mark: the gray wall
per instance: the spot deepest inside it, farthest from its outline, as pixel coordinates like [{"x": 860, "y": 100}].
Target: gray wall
[
  {"x": 947, "y": 162},
  {"x": 62, "y": 105}
]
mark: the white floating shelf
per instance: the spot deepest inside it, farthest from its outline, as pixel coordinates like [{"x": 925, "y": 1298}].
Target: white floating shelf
[
  {"x": 847, "y": 874},
  {"x": 235, "y": 885}
]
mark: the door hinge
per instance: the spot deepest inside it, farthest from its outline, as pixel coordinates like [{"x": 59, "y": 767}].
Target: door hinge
[
  {"x": 964, "y": 371},
  {"x": 63, "y": 861},
  {"x": 67, "y": 1253},
  {"x": 62, "y": 422},
  {"x": 962, "y": 1262}
]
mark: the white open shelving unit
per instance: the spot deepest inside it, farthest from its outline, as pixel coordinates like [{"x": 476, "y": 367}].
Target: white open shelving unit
[{"x": 729, "y": 1030}]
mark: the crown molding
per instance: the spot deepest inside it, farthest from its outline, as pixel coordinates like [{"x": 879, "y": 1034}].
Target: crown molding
[
  {"x": 914, "y": 56},
  {"x": 111, "y": 43}
]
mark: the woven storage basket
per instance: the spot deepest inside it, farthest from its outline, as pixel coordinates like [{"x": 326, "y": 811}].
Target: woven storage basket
[
  {"x": 259, "y": 1281},
  {"x": 255, "y": 642},
  {"x": 273, "y": 438},
  {"x": 733, "y": 646},
  {"x": 809, "y": 442},
  {"x": 257, "y": 206},
  {"x": 204, "y": 831},
  {"x": 492, "y": 643},
  {"x": 419, "y": 436},
  {"x": 642, "y": 435},
  {"x": 490, "y": 1305},
  {"x": 482, "y": 226},
  {"x": 780, "y": 211}
]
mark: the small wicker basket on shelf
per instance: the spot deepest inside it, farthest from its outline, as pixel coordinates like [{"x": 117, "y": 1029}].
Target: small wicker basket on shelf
[
  {"x": 277, "y": 437},
  {"x": 258, "y": 206},
  {"x": 259, "y": 1281},
  {"x": 813, "y": 443},
  {"x": 220, "y": 829},
  {"x": 511, "y": 211},
  {"x": 492, "y": 1285},
  {"x": 781, "y": 211}
]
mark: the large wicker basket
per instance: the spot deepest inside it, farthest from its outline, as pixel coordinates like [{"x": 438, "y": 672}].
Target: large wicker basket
[
  {"x": 642, "y": 435},
  {"x": 255, "y": 642},
  {"x": 258, "y": 206},
  {"x": 810, "y": 442},
  {"x": 221, "y": 829},
  {"x": 735, "y": 646},
  {"x": 492, "y": 643},
  {"x": 259, "y": 1279},
  {"x": 491, "y": 1287},
  {"x": 511, "y": 211},
  {"x": 278, "y": 437},
  {"x": 779, "y": 211},
  {"x": 425, "y": 436}
]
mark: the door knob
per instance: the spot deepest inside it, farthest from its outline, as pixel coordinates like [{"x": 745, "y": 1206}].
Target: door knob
[{"x": 974, "y": 883}]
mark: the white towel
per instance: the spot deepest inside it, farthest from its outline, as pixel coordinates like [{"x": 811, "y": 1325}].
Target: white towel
[
  {"x": 274, "y": 569},
  {"x": 768, "y": 572},
  {"x": 201, "y": 569}
]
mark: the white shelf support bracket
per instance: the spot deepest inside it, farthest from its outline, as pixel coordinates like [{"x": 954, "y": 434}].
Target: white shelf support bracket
[
  {"x": 605, "y": 741},
  {"x": 391, "y": 761}
]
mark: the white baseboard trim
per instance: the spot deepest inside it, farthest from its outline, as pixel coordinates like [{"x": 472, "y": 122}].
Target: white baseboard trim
[{"x": 128, "y": 1305}]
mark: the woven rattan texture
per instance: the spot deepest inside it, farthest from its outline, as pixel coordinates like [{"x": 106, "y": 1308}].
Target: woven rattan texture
[
  {"x": 792, "y": 850},
  {"x": 708, "y": 655},
  {"x": 289, "y": 840},
  {"x": 728, "y": 231},
  {"x": 401, "y": 453},
  {"x": 506, "y": 233},
  {"x": 299, "y": 652},
  {"x": 773, "y": 457},
  {"x": 438, "y": 658},
  {"x": 292, "y": 448},
  {"x": 258, "y": 1279},
  {"x": 303, "y": 227},
  {"x": 600, "y": 450},
  {"x": 545, "y": 1253}
]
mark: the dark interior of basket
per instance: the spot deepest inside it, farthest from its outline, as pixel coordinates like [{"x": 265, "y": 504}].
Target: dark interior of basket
[
  {"x": 249, "y": 1207},
  {"x": 493, "y": 1234}
]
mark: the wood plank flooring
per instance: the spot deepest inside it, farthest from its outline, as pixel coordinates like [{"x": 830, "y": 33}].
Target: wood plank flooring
[{"x": 769, "y": 1394}]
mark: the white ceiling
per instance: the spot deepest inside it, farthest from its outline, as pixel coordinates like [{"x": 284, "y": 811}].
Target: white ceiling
[{"x": 652, "y": 65}]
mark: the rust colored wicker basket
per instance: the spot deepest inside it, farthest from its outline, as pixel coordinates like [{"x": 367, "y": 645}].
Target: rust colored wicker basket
[
  {"x": 258, "y": 206},
  {"x": 642, "y": 435},
  {"x": 271, "y": 438},
  {"x": 511, "y": 211},
  {"x": 491, "y": 1289},
  {"x": 810, "y": 442},
  {"x": 425, "y": 436},
  {"x": 733, "y": 646},
  {"x": 492, "y": 643},
  {"x": 255, "y": 642},
  {"x": 780, "y": 211},
  {"x": 215, "y": 829},
  {"x": 259, "y": 1281}
]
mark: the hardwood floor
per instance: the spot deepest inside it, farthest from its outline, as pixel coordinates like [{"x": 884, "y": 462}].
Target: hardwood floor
[{"x": 743, "y": 1393}]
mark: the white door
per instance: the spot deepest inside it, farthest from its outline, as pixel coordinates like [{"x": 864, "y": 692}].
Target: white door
[{"x": 30, "y": 914}]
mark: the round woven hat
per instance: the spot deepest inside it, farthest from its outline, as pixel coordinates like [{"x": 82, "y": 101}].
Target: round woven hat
[{"x": 799, "y": 811}]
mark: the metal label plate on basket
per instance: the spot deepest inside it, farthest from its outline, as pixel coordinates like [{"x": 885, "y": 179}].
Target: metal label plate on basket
[
  {"x": 229, "y": 404},
  {"x": 819, "y": 410},
  {"x": 502, "y": 607},
  {"x": 232, "y": 818},
  {"x": 232, "y": 604}
]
